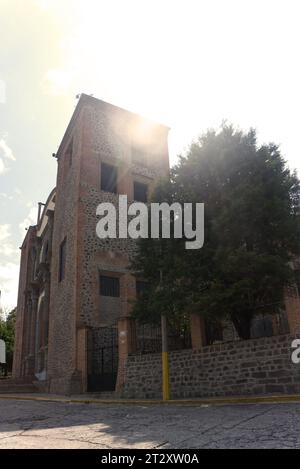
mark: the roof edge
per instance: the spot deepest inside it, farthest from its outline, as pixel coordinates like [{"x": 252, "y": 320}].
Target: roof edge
[{"x": 85, "y": 99}]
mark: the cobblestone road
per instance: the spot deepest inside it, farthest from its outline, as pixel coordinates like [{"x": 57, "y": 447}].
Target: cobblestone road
[{"x": 32, "y": 424}]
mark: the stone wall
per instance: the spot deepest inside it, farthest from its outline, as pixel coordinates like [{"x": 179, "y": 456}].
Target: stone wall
[
  {"x": 107, "y": 136},
  {"x": 62, "y": 375},
  {"x": 257, "y": 366},
  {"x": 98, "y": 132},
  {"x": 22, "y": 317}
]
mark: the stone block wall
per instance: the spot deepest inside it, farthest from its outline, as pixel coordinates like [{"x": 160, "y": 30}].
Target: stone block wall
[
  {"x": 257, "y": 366},
  {"x": 22, "y": 318},
  {"x": 98, "y": 132},
  {"x": 107, "y": 136},
  {"x": 62, "y": 359}
]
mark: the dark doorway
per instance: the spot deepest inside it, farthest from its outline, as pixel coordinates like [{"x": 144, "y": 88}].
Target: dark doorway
[{"x": 102, "y": 359}]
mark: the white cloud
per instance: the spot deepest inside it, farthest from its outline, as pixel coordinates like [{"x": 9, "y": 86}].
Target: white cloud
[
  {"x": 17, "y": 191},
  {"x": 5, "y": 154},
  {"x": 6, "y": 151},
  {"x": 9, "y": 278},
  {"x": 4, "y": 232},
  {"x": 3, "y": 168},
  {"x": 3, "y": 195},
  {"x": 7, "y": 249},
  {"x": 6, "y": 245},
  {"x": 31, "y": 219}
]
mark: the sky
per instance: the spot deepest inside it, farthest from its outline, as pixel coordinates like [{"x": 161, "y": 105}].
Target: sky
[{"x": 189, "y": 64}]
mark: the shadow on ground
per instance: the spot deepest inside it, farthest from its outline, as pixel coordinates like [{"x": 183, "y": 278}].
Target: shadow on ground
[{"x": 36, "y": 424}]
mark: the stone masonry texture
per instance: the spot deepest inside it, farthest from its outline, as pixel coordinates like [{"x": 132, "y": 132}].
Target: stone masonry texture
[
  {"x": 102, "y": 133},
  {"x": 257, "y": 366},
  {"x": 98, "y": 133}
]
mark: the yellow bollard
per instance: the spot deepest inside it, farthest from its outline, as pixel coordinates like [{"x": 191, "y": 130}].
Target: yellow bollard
[
  {"x": 165, "y": 359},
  {"x": 165, "y": 376}
]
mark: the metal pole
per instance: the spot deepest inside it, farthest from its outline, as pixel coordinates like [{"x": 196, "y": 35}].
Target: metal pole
[
  {"x": 165, "y": 354},
  {"x": 165, "y": 359}
]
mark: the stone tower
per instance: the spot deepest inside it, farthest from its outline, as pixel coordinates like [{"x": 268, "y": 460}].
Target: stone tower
[{"x": 106, "y": 151}]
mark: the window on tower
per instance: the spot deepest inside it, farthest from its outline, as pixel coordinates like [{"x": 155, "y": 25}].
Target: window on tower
[
  {"x": 109, "y": 286},
  {"x": 109, "y": 176},
  {"x": 140, "y": 192}
]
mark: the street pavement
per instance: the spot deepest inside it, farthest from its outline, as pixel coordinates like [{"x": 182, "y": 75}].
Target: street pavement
[{"x": 42, "y": 424}]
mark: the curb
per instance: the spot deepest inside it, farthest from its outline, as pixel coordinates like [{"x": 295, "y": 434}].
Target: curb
[{"x": 144, "y": 402}]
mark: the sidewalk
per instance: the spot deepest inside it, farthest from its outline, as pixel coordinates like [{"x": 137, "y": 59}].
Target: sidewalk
[{"x": 87, "y": 399}]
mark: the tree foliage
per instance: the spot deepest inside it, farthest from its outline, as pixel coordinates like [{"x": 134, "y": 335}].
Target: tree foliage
[
  {"x": 7, "y": 333},
  {"x": 252, "y": 233}
]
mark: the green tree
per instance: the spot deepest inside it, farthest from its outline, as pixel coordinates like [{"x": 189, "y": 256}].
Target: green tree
[
  {"x": 252, "y": 233},
  {"x": 7, "y": 333}
]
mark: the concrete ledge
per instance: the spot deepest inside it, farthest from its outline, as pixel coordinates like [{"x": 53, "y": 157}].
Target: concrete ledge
[{"x": 271, "y": 399}]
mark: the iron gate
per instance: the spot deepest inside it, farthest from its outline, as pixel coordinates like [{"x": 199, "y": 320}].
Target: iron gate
[{"x": 102, "y": 359}]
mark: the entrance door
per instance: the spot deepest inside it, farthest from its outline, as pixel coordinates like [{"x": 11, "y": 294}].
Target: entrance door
[{"x": 103, "y": 359}]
